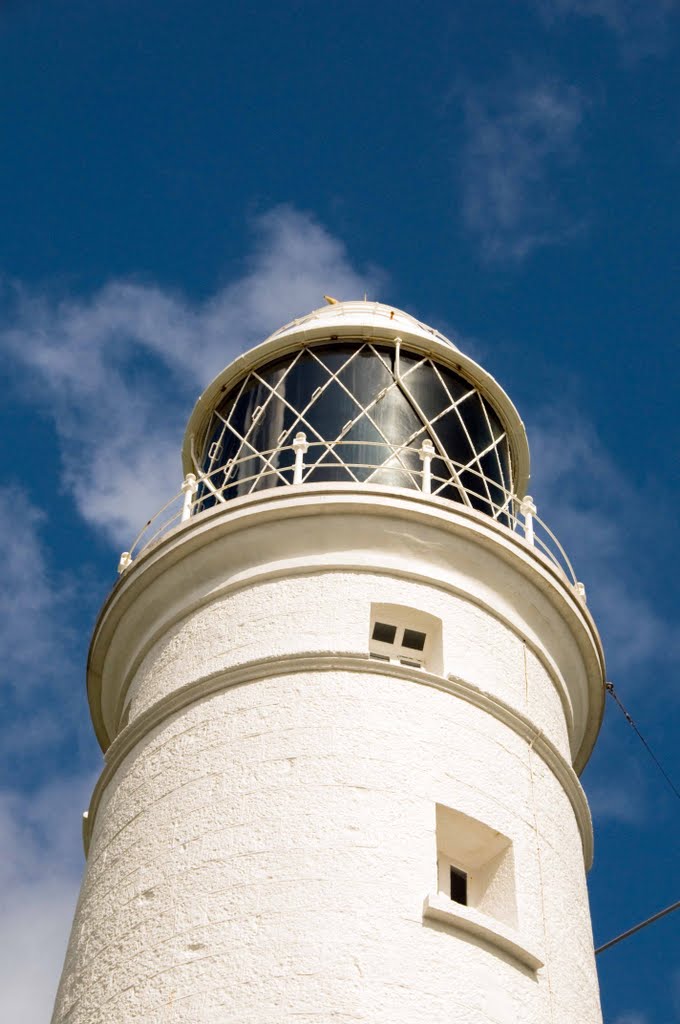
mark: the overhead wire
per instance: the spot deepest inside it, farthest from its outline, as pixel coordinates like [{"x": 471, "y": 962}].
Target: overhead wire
[
  {"x": 674, "y": 906},
  {"x": 613, "y": 694},
  {"x": 638, "y": 927}
]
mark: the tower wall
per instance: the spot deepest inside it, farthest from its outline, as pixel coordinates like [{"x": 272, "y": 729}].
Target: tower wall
[{"x": 263, "y": 842}]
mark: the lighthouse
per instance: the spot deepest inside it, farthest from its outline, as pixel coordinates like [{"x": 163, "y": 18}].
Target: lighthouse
[{"x": 344, "y": 686}]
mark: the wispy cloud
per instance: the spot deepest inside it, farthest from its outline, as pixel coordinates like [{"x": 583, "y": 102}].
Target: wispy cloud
[
  {"x": 30, "y": 625},
  {"x": 41, "y": 699},
  {"x": 117, "y": 372},
  {"x": 120, "y": 370},
  {"x": 641, "y": 27},
  {"x": 518, "y": 138},
  {"x": 40, "y": 865},
  {"x": 632, "y": 1018}
]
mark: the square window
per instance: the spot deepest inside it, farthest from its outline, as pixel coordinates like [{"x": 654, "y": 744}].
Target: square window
[
  {"x": 414, "y": 639},
  {"x": 384, "y": 633},
  {"x": 406, "y": 636}
]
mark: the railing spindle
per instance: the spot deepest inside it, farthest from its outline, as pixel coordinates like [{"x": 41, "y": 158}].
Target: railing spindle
[
  {"x": 528, "y": 510},
  {"x": 426, "y": 454},
  {"x": 300, "y": 446},
  {"x": 189, "y": 488},
  {"x": 522, "y": 513}
]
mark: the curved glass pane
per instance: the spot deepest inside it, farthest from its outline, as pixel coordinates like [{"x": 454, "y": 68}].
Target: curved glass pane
[{"x": 364, "y": 420}]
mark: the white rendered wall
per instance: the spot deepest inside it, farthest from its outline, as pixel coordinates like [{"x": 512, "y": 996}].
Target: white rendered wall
[
  {"x": 330, "y": 611},
  {"x": 262, "y": 848}
]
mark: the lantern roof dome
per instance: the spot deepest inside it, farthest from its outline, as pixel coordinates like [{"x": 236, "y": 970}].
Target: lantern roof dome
[{"x": 361, "y": 312}]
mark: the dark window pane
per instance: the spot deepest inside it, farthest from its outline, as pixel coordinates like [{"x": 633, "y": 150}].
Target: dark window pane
[
  {"x": 427, "y": 391},
  {"x": 331, "y": 410},
  {"x": 303, "y": 385},
  {"x": 456, "y": 386},
  {"x": 329, "y": 472},
  {"x": 473, "y": 416},
  {"x": 454, "y": 439},
  {"x": 395, "y": 417},
  {"x": 458, "y": 886},
  {"x": 384, "y": 633},
  {"x": 414, "y": 640},
  {"x": 335, "y": 356},
  {"x": 366, "y": 376},
  {"x": 391, "y": 477}
]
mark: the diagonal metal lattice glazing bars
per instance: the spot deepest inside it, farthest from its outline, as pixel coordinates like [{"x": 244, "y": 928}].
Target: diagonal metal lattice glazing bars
[{"x": 365, "y": 410}]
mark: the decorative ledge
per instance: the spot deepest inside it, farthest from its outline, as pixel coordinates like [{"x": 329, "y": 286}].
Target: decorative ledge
[{"x": 467, "y": 919}]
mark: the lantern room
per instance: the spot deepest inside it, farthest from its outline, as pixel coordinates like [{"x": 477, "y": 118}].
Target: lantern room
[{"x": 358, "y": 393}]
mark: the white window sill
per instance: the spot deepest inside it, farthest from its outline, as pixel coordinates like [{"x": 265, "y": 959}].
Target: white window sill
[{"x": 474, "y": 922}]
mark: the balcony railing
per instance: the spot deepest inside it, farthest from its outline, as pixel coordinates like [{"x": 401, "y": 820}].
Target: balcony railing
[{"x": 423, "y": 469}]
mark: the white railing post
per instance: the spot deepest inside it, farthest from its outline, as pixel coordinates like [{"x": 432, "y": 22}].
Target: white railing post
[
  {"x": 189, "y": 488},
  {"x": 300, "y": 446},
  {"x": 528, "y": 510},
  {"x": 124, "y": 561},
  {"x": 426, "y": 454}
]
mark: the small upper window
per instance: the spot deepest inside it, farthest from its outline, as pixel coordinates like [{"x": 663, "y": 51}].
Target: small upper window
[
  {"x": 405, "y": 636},
  {"x": 397, "y": 644}
]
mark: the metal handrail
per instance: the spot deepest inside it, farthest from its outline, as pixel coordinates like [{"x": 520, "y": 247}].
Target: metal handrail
[{"x": 510, "y": 512}]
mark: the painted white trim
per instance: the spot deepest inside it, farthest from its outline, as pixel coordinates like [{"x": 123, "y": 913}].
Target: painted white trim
[
  {"x": 467, "y": 919},
  {"x": 279, "y": 666}
]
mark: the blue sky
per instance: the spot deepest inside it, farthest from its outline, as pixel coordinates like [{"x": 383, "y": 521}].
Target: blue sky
[{"x": 178, "y": 180}]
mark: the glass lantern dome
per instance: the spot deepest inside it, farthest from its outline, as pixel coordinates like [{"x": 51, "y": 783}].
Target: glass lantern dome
[{"x": 358, "y": 393}]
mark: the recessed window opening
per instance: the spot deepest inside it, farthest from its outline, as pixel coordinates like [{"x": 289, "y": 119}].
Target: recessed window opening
[
  {"x": 397, "y": 644},
  {"x": 475, "y": 865},
  {"x": 405, "y": 636}
]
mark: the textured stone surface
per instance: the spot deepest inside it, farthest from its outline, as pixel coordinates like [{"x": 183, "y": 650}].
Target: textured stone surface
[
  {"x": 331, "y": 612},
  {"x": 264, "y": 853}
]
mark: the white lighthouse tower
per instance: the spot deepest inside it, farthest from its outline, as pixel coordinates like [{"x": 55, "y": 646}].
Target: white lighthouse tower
[{"x": 344, "y": 700}]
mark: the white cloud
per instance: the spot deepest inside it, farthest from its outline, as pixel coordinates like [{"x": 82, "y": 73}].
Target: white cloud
[
  {"x": 641, "y": 27},
  {"x": 40, "y": 865},
  {"x": 40, "y": 847},
  {"x": 632, "y": 1018},
  {"x": 119, "y": 371},
  {"x": 517, "y": 139},
  {"x": 32, "y": 634}
]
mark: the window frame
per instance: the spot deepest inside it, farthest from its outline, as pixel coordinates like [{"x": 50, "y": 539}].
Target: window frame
[{"x": 396, "y": 652}]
